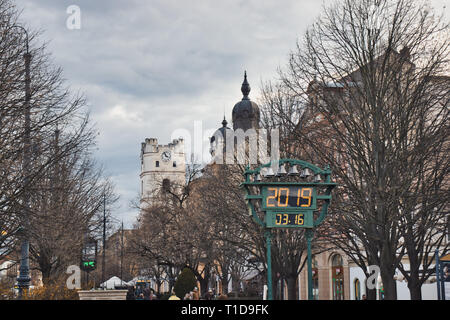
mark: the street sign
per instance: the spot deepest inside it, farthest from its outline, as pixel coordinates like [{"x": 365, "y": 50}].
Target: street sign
[
  {"x": 89, "y": 264},
  {"x": 89, "y": 255}
]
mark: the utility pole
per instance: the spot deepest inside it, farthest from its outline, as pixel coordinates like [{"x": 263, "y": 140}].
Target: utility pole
[
  {"x": 121, "y": 257},
  {"x": 24, "y": 278},
  {"x": 104, "y": 238}
]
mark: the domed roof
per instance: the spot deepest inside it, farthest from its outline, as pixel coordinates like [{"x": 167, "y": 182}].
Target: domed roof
[
  {"x": 245, "y": 113},
  {"x": 219, "y": 134},
  {"x": 221, "y": 130}
]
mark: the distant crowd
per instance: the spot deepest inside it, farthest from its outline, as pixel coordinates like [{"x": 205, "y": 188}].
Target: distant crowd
[
  {"x": 149, "y": 294},
  {"x": 194, "y": 295}
]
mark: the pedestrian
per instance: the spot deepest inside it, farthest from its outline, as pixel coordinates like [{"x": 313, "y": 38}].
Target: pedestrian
[
  {"x": 174, "y": 296},
  {"x": 147, "y": 294},
  {"x": 130, "y": 294},
  {"x": 209, "y": 295},
  {"x": 195, "y": 294}
]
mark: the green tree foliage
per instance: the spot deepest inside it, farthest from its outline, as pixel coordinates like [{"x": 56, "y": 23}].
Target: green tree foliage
[{"x": 185, "y": 283}]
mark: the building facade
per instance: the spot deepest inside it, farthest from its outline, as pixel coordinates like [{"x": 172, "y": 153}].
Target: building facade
[{"x": 161, "y": 164}]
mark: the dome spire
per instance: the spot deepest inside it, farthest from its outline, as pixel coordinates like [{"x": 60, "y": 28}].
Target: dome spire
[
  {"x": 224, "y": 122},
  {"x": 245, "y": 88}
]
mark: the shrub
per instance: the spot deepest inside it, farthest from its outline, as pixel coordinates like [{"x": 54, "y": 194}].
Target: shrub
[
  {"x": 6, "y": 291},
  {"x": 164, "y": 296},
  {"x": 185, "y": 283},
  {"x": 52, "y": 291}
]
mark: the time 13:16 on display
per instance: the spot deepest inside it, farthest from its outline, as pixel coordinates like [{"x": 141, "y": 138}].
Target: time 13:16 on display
[{"x": 289, "y": 219}]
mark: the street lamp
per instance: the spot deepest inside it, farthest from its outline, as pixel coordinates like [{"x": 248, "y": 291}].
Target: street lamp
[{"x": 24, "y": 279}]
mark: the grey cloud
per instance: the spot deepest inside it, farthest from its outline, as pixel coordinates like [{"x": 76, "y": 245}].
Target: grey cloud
[{"x": 165, "y": 63}]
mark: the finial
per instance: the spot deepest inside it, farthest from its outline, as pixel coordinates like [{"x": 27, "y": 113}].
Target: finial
[
  {"x": 224, "y": 122},
  {"x": 245, "y": 88}
]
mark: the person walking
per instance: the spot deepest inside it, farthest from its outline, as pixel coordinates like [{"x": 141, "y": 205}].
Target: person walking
[
  {"x": 209, "y": 295},
  {"x": 147, "y": 294},
  {"x": 174, "y": 296},
  {"x": 195, "y": 294}
]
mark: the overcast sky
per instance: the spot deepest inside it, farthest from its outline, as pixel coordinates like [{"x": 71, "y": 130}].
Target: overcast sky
[{"x": 149, "y": 67}]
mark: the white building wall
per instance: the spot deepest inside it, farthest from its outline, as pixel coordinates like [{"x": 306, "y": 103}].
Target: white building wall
[
  {"x": 153, "y": 175},
  {"x": 429, "y": 290}
]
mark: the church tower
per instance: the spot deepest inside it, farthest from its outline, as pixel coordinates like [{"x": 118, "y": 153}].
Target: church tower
[
  {"x": 161, "y": 165},
  {"x": 246, "y": 116},
  {"x": 245, "y": 113}
]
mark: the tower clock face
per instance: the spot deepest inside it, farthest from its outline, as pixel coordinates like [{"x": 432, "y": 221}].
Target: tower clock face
[{"x": 165, "y": 156}]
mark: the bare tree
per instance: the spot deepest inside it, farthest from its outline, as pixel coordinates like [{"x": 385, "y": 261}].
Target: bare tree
[
  {"x": 236, "y": 243},
  {"x": 66, "y": 205},
  {"x": 168, "y": 231},
  {"x": 381, "y": 121},
  {"x": 60, "y": 182}
]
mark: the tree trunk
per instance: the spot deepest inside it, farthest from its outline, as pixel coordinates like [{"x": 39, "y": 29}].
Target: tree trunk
[
  {"x": 414, "y": 285},
  {"x": 224, "y": 280},
  {"x": 46, "y": 271},
  {"x": 158, "y": 285},
  {"x": 387, "y": 271},
  {"x": 415, "y": 289},
  {"x": 275, "y": 288},
  {"x": 203, "y": 286},
  {"x": 389, "y": 285},
  {"x": 291, "y": 284},
  {"x": 371, "y": 294},
  {"x": 46, "y": 277}
]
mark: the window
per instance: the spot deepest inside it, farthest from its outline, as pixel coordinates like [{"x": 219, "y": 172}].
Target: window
[
  {"x": 174, "y": 164},
  {"x": 166, "y": 185},
  {"x": 357, "y": 288},
  {"x": 315, "y": 278},
  {"x": 157, "y": 164},
  {"x": 337, "y": 276}
]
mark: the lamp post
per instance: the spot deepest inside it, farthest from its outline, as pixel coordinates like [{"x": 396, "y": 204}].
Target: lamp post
[
  {"x": 104, "y": 239},
  {"x": 24, "y": 279}
]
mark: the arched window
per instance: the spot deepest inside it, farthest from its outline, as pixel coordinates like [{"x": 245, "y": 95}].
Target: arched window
[
  {"x": 357, "y": 288},
  {"x": 337, "y": 277}
]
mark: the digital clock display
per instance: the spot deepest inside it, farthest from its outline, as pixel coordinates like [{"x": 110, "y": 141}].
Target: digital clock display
[
  {"x": 288, "y": 197},
  {"x": 283, "y": 219}
]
